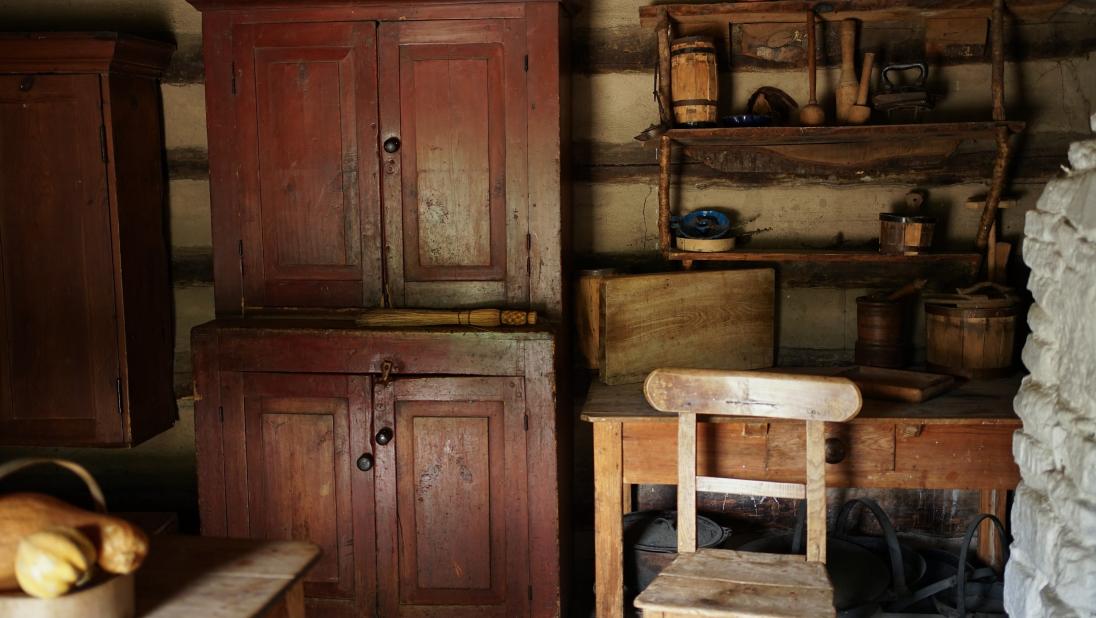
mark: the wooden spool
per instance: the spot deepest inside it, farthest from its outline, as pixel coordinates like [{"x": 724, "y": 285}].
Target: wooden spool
[
  {"x": 971, "y": 342},
  {"x": 903, "y": 235},
  {"x": 882, "y": 333},
  {"x": 694, "y": 80}
]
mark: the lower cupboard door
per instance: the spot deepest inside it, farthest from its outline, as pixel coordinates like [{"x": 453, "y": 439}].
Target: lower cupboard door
[
  {"x": 452, "y": 516},
  {"x": 292, "y": 445}
]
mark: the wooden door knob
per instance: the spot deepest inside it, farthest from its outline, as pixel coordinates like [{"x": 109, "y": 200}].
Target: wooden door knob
[
  {"x": 836, "y": 450},
  {"x": 384, "y": 436}
]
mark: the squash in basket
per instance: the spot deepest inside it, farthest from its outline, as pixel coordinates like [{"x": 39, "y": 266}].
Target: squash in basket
[{"x": 52, "y": 562}]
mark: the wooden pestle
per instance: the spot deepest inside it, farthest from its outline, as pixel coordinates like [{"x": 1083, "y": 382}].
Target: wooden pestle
[
  {"x": 811, "y": 114},
  {"x": 860, "y": 112},
  {"x": 847, "y": 87}
]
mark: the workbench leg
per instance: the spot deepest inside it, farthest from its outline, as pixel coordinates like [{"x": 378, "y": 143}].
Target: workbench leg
[
  {"x": 990, "y": 550},
  {"x": 608, "y": 526},
  {"x": 291, "y": 605}
]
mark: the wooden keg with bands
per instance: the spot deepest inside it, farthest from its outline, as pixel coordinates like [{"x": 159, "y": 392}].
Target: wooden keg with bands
[{"x": 694, "y": 81}]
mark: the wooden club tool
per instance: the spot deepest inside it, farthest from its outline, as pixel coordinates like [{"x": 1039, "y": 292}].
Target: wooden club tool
[
  {"x": 811, "y": 114},
  {"x": 446, "y": 317},
  {"x": 847, "y": 86},
  {"x": 860, "y": 112}
]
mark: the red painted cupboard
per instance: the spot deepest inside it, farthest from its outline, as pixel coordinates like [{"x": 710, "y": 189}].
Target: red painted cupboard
[
  {"x": 408, "y": 154},
  {"x": 85, "y": 300},
  {"x": 425, "y": 464},
  {"x": 364, "y": 152}
]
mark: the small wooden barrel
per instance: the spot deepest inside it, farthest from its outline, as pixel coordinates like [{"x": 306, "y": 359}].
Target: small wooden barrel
[
  {"x": 903, "y": 235},
  {"x": 882, "y": 333},
  {"x": 694, "y": 81},
  {"x": 970, "y": 342}
]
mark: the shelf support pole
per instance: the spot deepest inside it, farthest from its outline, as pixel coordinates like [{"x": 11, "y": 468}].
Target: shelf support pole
[
  {"x": 664, "y": 146},
  {"x": 664, "y": 94},
  {"x": 997, "y": 86}
]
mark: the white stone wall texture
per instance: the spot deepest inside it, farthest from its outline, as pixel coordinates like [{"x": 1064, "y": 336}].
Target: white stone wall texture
[{"x": 1052, "y": 570}]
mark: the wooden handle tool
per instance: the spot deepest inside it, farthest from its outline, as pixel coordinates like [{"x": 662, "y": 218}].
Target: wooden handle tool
[
  {"x": 811, "y": 114},
  {"x": 446, "y": 317},
  {"x": 847, "y": 86}
]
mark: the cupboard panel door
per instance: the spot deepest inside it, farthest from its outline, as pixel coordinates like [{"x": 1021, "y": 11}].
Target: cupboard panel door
[
  {"x": 59, "y": 367},
  {"x": 453, "y": 122},
  {"x": 309, "y": 202},
  {"x": 452, "y": 511},
  {"x": 301, "y": 437}
]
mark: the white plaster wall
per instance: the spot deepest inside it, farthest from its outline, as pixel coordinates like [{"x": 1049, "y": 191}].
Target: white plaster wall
[{"x": 1052, "y": 571}]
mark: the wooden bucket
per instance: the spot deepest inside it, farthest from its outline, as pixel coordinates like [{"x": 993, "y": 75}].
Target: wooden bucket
[
  {"x": 971, "y": 342},
  {"x": 904, "y": 235},
  {"x": 882, "y": 333},
  {"x": 694, "y": 81}
]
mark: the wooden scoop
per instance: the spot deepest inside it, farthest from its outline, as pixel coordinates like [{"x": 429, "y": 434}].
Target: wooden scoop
[
  {"x": 860, "y": 112},
  {"x": 811, "y": 114}
]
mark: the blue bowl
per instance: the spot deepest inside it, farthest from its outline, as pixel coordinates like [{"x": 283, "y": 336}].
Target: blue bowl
[{"x": 746, "y": 120}]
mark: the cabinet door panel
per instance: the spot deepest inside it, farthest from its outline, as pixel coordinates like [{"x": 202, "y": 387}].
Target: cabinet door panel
[
  {"x": 455, "y": 193},
  {"x": 454, "y": 538},
  {"x": 309, "y": 203},
  {"x": 302, "y": 435},
  {"x": 58, "y": 330}
]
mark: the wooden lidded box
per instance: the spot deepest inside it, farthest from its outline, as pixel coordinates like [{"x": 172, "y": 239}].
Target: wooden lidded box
[{"x": 86, "y": 329}]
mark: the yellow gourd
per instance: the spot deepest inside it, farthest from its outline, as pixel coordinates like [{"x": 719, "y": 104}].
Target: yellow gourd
[
  {"x": 121, "y": 545},
  {"x": 52, "y": 562}
]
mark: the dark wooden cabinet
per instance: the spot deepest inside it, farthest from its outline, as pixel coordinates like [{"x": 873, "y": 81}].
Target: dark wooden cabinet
[
  {"x": 371, "y": 152},
  {"x": 424, "y": 463},
  {"x": 85, "y": 302}
]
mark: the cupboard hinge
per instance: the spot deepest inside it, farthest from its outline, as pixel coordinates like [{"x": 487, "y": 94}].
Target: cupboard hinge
[
  {"x": 526, "y": 63},
  {"x": 118, "y": 395},
  {"x": 221, "y": 413},
  {"x": 529, "y": 254},
  {"x": 233, "y": 79},
  {"x": 240, "y": 247},
  {"x": 103, "y": 142},
  {"x": 525, "y": 421},
  {"x": 530, "y": 593}
]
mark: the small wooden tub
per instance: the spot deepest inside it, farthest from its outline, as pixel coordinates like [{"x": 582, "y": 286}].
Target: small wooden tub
[
  {"x": 905, "y": 235},
  {"x": 694, "y": 81},
  {"x": 882, "y": 332},
  {"x": 971, "y": 342}
]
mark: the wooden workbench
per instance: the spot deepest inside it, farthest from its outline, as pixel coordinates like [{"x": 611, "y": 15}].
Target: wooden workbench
[
  {"x": 960, "y": 440},
  {"x": 207, "y": 577}
]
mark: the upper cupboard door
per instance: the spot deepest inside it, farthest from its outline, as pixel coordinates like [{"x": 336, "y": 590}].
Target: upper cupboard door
[
  {"x": 307, "y": 143},
  {"x": 453, "y": 128},
  {"x": 59, "y": 375}
]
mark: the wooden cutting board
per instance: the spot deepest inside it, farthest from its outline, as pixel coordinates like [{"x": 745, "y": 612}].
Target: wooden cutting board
[
  {"x": 898, "y": 384},
  {"x": 705, "y": 320}
]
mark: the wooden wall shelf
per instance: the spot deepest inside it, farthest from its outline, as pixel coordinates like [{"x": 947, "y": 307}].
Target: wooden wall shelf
[
  {"x": 863, "y": 134},
  {"x": 792, "y": 11},
  {"x": 849, "y": 269},
  {"x": 815, "y": 255}
]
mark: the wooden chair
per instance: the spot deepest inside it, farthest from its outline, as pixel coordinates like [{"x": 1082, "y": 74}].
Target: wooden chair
[{"x": 724, "y": 583}]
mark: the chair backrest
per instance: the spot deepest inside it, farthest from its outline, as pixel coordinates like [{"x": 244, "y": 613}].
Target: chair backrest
[{"x": 814, "y": 399}]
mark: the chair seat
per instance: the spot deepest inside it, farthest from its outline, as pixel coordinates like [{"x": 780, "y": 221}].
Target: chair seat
[{"x": 725, "y": 584}]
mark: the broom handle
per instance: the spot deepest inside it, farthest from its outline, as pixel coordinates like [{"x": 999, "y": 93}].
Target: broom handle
[{"x": 446, "y": 317}]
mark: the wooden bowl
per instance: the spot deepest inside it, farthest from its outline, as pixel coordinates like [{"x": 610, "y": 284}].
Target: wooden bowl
[{"x": 106, "y": 597}]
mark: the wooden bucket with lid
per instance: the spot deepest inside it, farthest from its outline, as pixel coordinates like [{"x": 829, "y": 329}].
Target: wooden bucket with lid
[
  {"x": 694, "y": 81},
  {"x": 972, "y": 335}
]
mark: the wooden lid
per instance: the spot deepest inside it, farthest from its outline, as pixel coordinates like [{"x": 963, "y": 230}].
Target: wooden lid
[{"x": 83, "y": 52}]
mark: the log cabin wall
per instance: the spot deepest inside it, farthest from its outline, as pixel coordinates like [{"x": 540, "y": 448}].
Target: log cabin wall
[{"x": 614, "y": 190}]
